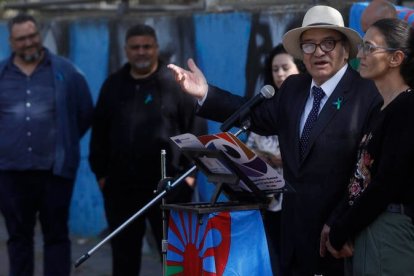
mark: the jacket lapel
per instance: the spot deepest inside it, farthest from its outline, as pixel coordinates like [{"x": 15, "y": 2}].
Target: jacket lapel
[{"x": 300, "y": 103}]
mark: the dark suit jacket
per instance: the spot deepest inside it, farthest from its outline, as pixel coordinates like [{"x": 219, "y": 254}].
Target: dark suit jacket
[{"x": 320, "y": 180}]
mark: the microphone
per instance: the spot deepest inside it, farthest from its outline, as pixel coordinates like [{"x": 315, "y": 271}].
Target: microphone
[{"x": 266, "y": 92}]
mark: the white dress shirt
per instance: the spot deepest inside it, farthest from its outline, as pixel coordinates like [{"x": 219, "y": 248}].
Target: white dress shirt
[{"x": 328, "y": 87}]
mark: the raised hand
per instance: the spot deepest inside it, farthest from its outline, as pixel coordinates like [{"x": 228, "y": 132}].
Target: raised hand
[{"x": 191, "y": 81}]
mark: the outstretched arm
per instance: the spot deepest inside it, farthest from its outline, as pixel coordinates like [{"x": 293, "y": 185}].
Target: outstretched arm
[{"x": 191, "y": 81}]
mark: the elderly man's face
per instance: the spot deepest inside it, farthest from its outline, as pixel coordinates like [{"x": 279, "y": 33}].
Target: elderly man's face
[{"x": 323, "y": 65}]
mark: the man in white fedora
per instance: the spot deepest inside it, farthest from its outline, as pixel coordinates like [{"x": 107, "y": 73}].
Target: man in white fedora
[{"x": 319, "y": 117}]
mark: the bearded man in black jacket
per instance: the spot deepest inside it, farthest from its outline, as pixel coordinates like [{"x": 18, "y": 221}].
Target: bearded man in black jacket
[{"x": 139, "y": 108}]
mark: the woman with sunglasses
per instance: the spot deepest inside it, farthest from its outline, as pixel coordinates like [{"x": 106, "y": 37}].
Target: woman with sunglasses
[{"x": 375, "y": 223}]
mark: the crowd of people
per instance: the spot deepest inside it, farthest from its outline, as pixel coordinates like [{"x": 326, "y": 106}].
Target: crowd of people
[{"x": 341, "y": 137}]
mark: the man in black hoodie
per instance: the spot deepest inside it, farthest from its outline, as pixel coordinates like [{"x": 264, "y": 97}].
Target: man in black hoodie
[{"x": 139, "y": 107}]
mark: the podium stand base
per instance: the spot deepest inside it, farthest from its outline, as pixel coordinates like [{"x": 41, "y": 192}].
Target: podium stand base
[{"x": 207, "y": 207}]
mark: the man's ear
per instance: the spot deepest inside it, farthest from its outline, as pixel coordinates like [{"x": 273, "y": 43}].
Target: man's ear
[{"x": 347, "y": 49}]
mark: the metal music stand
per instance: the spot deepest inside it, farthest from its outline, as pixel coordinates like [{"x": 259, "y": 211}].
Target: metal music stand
[{"x": 225, "y": 183}]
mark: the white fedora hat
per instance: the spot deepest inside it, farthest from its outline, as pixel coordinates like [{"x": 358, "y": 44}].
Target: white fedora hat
[{"x": 320, "y": 17}]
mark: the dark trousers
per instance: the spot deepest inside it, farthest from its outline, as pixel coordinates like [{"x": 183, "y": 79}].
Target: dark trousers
[
  {"x": 24, "y": 196},
  {"x": 120, "y": 204},
  {"x": 271, "y": 221},
  {"x": 328, "y": 267}
]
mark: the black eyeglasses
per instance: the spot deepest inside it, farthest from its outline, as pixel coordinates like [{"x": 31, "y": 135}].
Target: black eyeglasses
[
  {"x": 326, "y": 45},
  {"x": 368, "y": 49}
]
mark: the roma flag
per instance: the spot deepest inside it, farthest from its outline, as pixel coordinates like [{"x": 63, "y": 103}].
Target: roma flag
[{"x": 222, "y": 243}]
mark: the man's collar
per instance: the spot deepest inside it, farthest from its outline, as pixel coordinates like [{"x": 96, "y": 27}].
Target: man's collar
[{"x": 330, "y": 85}]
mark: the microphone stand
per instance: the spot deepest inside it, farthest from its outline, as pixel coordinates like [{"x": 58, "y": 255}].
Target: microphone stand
[
  {"x": 164, "y": 242},
  {"x": 162, "y": 194},
  {"x": 245, "y": 126}
]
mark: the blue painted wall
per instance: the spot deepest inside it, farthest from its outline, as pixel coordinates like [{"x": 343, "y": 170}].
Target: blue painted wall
[
  {"x": 221, "y": 47},
  {"x": 4, "y": 41},
  {"x": 89, "y": 51}
]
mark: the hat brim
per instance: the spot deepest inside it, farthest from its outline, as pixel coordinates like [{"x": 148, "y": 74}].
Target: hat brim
[{"x": 291, "y": 39}]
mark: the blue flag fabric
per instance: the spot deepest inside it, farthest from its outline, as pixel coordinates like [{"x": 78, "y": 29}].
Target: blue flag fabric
[{"x": 222, "y": 243}]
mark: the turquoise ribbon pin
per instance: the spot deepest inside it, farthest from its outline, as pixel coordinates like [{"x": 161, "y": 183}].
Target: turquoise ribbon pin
[
  {"x": 148, "y": 99},
  {"x": 338, "y": 103},
  {"x": 59, "y": 76}
]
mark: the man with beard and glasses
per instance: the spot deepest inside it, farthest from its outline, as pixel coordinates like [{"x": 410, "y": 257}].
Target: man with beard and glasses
[
  {"x": 139, "y": 107},
  {"x": 45, "y": 108}
]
